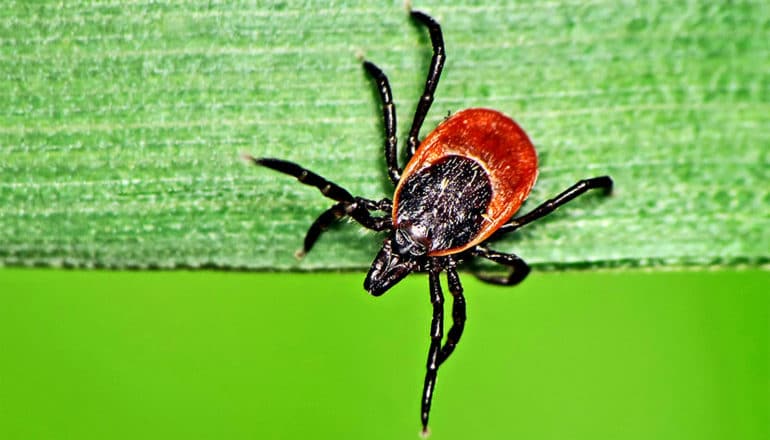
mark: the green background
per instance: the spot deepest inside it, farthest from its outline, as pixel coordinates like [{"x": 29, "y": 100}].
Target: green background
[{"x": 630, "y": 355}]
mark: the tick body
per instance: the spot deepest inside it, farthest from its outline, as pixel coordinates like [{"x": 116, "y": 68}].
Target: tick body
[
  {"x": 470, "y": 175},
  {"x": 459, "y": 189}
]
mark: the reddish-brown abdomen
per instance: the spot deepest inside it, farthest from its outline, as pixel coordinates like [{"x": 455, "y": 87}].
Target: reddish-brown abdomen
[{"x": 499, "y": 145}]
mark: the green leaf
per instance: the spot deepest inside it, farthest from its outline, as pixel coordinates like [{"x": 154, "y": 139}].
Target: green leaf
[{"x": 121, "y": 126}]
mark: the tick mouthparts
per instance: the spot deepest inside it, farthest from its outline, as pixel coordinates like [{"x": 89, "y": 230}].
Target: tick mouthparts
[{"x": 387, "y": 269}]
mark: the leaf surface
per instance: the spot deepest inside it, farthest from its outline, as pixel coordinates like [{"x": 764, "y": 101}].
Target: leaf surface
[{"x": 121, "y": 126}]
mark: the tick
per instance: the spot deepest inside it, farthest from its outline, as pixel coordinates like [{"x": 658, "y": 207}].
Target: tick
[{"x": 461, "y": 186}]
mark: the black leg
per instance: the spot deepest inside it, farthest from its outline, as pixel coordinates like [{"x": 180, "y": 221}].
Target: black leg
[
  {"x": 458, "y": 314},
  {"x": 603, "y": 182},
  {"x": 320, "y": 224},
  {"x": 384, "y": 205},
  {"x": 358, "y": 211},
  {"x": 329, "y": 189},
  {"x": 436, "y": 65},
  {"x": 519, "y": 269},
  {"x": 389, "y": 117},
  {"x": 356, "y": 207},
  {"x": 434, "y": 353}
]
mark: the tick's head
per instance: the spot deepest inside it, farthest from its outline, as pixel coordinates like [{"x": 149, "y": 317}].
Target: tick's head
[
  {"x": 388, "y": 268},
  {"x": 411, "y": 240}
]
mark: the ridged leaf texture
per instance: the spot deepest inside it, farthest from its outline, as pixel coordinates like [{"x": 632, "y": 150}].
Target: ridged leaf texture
[{"x": 122, "y": 124}]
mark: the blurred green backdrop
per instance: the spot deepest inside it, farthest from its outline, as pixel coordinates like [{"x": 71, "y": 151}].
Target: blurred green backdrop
[{"x": 206, "y": 355}]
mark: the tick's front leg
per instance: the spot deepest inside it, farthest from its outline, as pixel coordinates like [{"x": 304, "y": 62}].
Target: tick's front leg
[{"x": 434, "y": 352}]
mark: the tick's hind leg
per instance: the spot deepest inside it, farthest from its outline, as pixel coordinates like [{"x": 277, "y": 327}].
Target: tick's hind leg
[
  {"x": 519, "y": 269},
  {"x": 389, "y": 118},
  {"x": 434, "y": 73}
]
